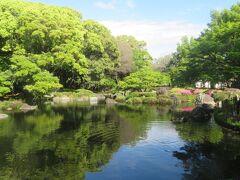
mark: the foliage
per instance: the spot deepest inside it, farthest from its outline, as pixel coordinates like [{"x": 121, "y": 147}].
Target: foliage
[
  {"x": 220, "y": 96},
  {"x": 200, "y": 133},
  {"x": 225, "y": 95},
  {"x": 76, "y": 93},
  {"x": 141, "y": 94},
  {"x": 165, "y": 100},
  {"x": 148, "y": 98},
  {"x": 44, "y": 48},
  {"x": 103, "y": 54},
  {"x": 143, "y": 80},
  {"x": 120, "y": 98},
  {"x": 135, "y": 100},
  {"x": 44, "y": 83},
  {"x": 107, "y": 84},
  {"x": 12, "y": 104},
  {"x": 5, "y": 84},
  {"x": 38, "y": 39},
  {"x": 213, "y": 56}
]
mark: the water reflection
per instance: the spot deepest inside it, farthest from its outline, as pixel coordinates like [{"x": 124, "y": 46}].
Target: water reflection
[
  {"x": 117, "y": 142},
  {"x": 209, "y": 152}
]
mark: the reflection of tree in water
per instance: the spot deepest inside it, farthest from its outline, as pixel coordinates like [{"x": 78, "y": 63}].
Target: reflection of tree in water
[
  {"x": 208, "y": 153},
  {"x": 200, "y": 132},
  {"x": 65, "y": 144},
  {"x": 135, "y": 121}
]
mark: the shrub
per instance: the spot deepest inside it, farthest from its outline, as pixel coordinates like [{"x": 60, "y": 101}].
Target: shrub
[
  {"x": 120, "y": 99},
  {"x": 165, "y": 100},
  {"x": 186, "y": 98},
  {"x": 84, "y": 92},
  {"x": 233, "y": 121},
  {"x": 221, "y": 96},
  {"x": 76, "y": 93},
  {"x": 14, "y": 105},
  {"x": 185, "y": 92},
  {"x": 135, "y": 100},
  {"x": 142, "y": 94},
  {"x": 150, "y": 100}
]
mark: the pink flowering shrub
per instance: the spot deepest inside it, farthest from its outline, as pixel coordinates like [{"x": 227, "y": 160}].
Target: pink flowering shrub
[
  {"x": 185, "y": 92},
  {"x": 197, "y": 91}
]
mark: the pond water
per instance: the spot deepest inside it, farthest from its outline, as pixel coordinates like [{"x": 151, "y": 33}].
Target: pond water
[{"x": 114, "y": 142}]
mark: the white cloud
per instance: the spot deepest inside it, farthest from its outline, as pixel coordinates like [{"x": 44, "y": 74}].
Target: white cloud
[
  {"x": 131, "y": 4},
  {"x": 161, "y": 37},
  {"x": 106, "y": 5}
]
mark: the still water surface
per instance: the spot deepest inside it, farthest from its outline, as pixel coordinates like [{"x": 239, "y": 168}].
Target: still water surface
[{"x": 116, "y": 142}]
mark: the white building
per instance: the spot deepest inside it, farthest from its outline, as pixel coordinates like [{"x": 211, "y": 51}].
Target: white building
[{"x": 207, "y": 85}]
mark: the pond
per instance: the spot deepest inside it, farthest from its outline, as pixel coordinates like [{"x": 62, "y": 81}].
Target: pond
[{"x": 114, "y": 142}]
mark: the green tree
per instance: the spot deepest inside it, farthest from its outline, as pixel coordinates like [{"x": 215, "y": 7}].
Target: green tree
[
  {"x": 214, "y": 56},
  {"x": 143, "y": 80},
  {"x": 43, "y": 83}
]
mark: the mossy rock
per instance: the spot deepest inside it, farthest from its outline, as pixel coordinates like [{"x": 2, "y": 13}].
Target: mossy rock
[
  {"x": 186, "y": 98},
  {"x": 150, "y": 100},
  {"x": 120, "y": 98},
  {"x": 142, "y": 94},
  {"x": 12, "y": 105},
  {"x": 75, "y": 94},
  {"x": 165, "y": 100},
  {"x": 3, "y": 116},
  {"x": 135, "y": 100}
]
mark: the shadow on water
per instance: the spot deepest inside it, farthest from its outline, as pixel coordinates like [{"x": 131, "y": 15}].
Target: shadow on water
[{"x": 70, "y": 141}]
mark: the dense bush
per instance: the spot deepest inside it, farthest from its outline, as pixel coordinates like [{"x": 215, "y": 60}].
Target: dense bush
[
  {"x": 165, "y": 100},
  {"x": 120, "y": 98},
  {"x": 144, "y": 80},
  {"x": 76, "y": 93},
  {"x": 141, "y": 94},
  {"x": 12, "y": 104},
  {"x": 135, "y": 100}
]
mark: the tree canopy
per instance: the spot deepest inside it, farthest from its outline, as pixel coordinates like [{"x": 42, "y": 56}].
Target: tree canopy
[
  {"x": 214, "y": 56},
  {"x": 44, "y": 48},
  {"x": 54, "y": 41}
]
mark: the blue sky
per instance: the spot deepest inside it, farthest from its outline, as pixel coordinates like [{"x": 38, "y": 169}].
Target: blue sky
[{"x": 161, "y": 23}]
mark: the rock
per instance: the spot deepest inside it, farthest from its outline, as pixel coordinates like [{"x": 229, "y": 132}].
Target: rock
[
  {"x": 162, "y": 91},
  {"x": 205, "y": 99},
  {"x": 208, "y": 100},
  {"x": 201, "y": 113},
  {"x": 100, "y": 97},
  {"x": 175, "y": 100},
  {"x": 49, "y": 96},
  {"x": 62, "y": 99},
  {"x": 26, "y": 107},
  {"x": 93, "y": 100},
  {"x": 9, "y": 109},
  {"x": 3, "y": 116},
  {"x": 81, "y": 99},
  {"x": 110, "y": 101}
]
